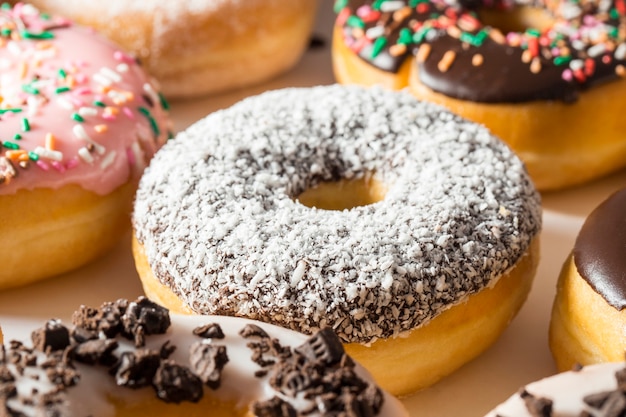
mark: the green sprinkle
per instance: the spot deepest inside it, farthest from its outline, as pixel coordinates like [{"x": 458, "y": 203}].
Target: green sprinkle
[
  {"x": 77, "y": 117},
  {"x": 25, "y": 125},
  {"x": 17, "y": 136},
  {"x": 377, "y": 4},
  {"x": 170, "y": 135},
  {"x": 533, "y": 32},
  {"x": 33, "y": 156},
  {"x": 41, "y": 35},
  {"x": 2, "y": 111},
  {"x": 62, "y": 73},
  {"x": 45, "y": 16},
  {"x": 10, "y": 145},
  {"x": 474, "y": 40},
  {"x": 153, "y": 123},
  {"x": 613, "y": 32},
  {"x": 6, "y": 6},
  {"x": 414, "y": 3},
  {"x": 378, "y": 46},
  {"x": 561, "y": 60},
  {"x": 355, "y": 22},
  {"x": 99, "y": 103},
  {"x": 27, "y": 88},
  {"x": 60, "y": 90},
  {"x": 5, "y": 32},
  {"x": 419, "y": 36},
  {"x": 340, "y": 5},
  {"x": 405, "y": 36},
  {"x": 164, "y": 103}
]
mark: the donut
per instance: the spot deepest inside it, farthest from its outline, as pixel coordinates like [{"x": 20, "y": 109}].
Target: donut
[
  {"x": 535, "y": 73},
  {"x": 410, "y": 232},
  {"x": 201, "y": 47},
  {"x": 134, "y": 358},
  {"x": 80, "y": 120},
  {"x": 596, "y": 390},
  {"x": 588, "y": 316}
]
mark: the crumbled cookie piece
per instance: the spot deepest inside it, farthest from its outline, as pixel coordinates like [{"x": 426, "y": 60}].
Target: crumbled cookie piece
[
  {"x": 207, "y": 362},
  {"x": 53, "y": 336},
  {"x": 209, "y": 331},
  {"x": 174, "y": 383}
]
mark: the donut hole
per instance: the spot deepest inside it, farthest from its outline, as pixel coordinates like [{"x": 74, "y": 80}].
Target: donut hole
[
  {"x": 344, "y": 194},
  {"x": 519, "y": 19}
]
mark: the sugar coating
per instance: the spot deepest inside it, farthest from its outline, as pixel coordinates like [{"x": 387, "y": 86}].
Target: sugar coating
[{"x": 218, "y": 216}]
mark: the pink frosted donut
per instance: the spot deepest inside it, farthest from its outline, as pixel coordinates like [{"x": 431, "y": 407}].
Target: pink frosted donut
[
  {"x": 197, "y": 47},
  {"x": 80, "y": 119}
]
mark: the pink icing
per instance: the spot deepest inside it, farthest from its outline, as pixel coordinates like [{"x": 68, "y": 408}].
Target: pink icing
[{"x": 106, "y": 145}]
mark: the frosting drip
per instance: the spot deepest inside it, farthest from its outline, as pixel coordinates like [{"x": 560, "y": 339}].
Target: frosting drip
[
  {"x": 599, "y": 250},
  {"x": 461, "y": 57},
  {"x": 74, "y": 109}
]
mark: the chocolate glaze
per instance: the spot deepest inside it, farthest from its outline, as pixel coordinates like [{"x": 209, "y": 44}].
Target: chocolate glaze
[
  {"x": 600, "y": 250},
  {"x": 503, "y": 76}
]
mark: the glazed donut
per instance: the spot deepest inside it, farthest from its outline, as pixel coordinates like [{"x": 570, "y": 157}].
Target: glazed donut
[
  {"x": 202, "y": 46},
  {"x": 596, "y": 390},
  {"x": 534, "y": 76},
  {"x": 80, "y": 119},
  {"x": 431, "y": 237},
  {"x": 588, "y": 315},
  {"x": 135, "y": 359}
]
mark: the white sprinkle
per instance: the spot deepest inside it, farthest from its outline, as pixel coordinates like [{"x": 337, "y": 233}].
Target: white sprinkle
[
  {"x": 620, "y": 51},
  {"x": 80, "y": 133},
  {"x": 14, "y": 48},
  {"x": 102, "y": 80},
  {"x": 48, "y": 153},
  {"x": 375, "y": 32},
  {"x": 391, "y": 6},
  {"x": 111, "y": 74},
  {"x": 108, "y": 160},
  {"x": 148, "y": 89},
  {"x": 122, "y": 68},
  {"x": 87, "y": 111},
  {"x": 85, "y": 155},
  {"x": 596, "y": 50},
  {"x": 576, "y": 64},
  {"x": 65, "y": 103}
]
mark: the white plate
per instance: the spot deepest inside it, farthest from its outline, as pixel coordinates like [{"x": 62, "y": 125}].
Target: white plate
[{"x": 520, "y": 356}]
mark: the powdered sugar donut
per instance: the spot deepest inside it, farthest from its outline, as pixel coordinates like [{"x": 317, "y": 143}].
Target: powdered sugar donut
[
  {"x": 80, "y": 119},
  {"x": 429, "y": 245},
  {"x": 202, "y": 46},
  {"x": 135, "y": 359}
]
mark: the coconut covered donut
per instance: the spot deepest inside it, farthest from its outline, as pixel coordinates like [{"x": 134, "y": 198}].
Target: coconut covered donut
[
  {"x": 135, "y": 359},
  {"x": 80, "y": 120},
  {"x": 539, "y": 74},
  {"x": 588, "y": 316},
  {"x": 401, "y": 226},
  {"x": 197, "y": 47},
  {"x": 596, "y": 390}
]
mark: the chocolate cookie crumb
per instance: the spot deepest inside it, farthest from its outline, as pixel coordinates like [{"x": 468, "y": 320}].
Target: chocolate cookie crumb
[
  {"x": 207, "y": 362},
  {"x": 137, "y": 369},
  {"x": 274, "y": 407},
  {"x": 537, "y": 406},
  {"x": 174, "y": 383},
  {"x": 94, "y": 351},
  {"x": 52, "y": 336},
  {"x": 209, "y": 331},
  {"x": 252, "y": 330},
  {"x": 324, "y": 346},
  {"x": 144, "y": 317}
]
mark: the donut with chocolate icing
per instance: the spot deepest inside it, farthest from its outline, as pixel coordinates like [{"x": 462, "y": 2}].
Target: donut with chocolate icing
[
  {"x": 198, "y": 47},
  {"x": 596, "y": 390},
  {"x": 544, "y": 76},
  {"x": 409, "y": 231},
  {"x": 135, "y": 359},
  {"x": 589, "y": 316},
  {"x": 80, "y": 120}
]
